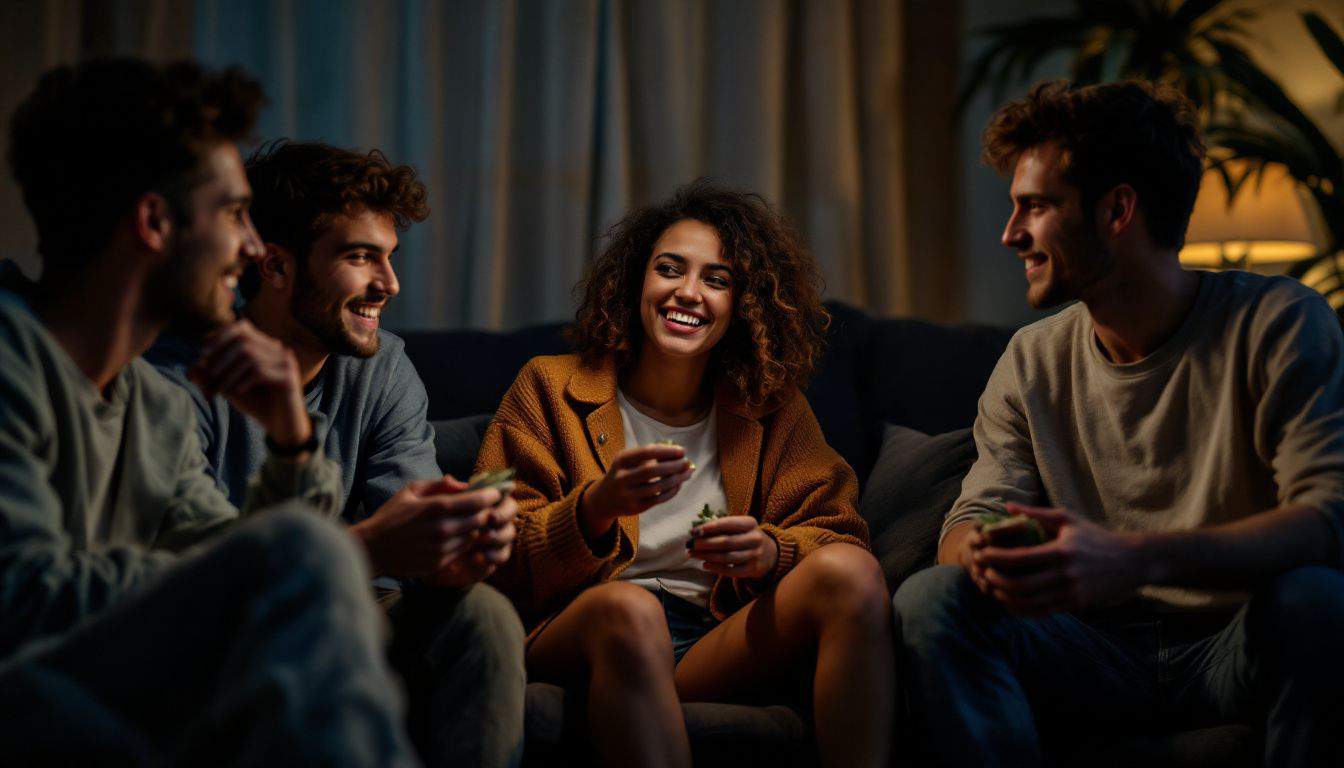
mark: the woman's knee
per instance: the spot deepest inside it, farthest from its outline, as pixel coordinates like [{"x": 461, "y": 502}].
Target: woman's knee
[
  {"x": 623, "y": 622},
  {"x": 845, "y": 582}
]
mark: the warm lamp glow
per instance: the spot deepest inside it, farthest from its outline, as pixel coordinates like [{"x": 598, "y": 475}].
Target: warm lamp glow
[{"x": 1266, "y": 224}]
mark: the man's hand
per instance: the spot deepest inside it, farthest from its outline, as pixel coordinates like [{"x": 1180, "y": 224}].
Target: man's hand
[
  {"x": 638, "y": 479},
  {"x": 964, "y": 541},
  {"x": 428, "y": 525},
  {"x": 259, "y": 376},
  {"x": 491, "y": 548},
  {"x": 735, "y": 546},
  {"x": 1084, "y": 566}
]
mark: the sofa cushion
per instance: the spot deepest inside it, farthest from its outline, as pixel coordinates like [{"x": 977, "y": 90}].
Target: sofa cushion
[
  {"x": 456, "y": 443},
  {"x": 734, "y": 735},
  {"x": 916, "y": 479},
  {"x": 468, "y": 372}
]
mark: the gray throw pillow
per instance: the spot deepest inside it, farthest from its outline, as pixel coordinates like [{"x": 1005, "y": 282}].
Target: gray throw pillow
[
  {"x": 914, "y": 483},
  {"x": 456, "y": 443}
]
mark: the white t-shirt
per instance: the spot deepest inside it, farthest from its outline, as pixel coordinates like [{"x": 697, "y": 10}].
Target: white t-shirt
[{"x": 664, "y": 529}]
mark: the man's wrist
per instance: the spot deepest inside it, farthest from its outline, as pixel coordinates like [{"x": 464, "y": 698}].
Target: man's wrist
[
  {"x": 1146, "y": 561},
  {"x": 295, "y": 438},
  {"x": 295, "y": 427}
]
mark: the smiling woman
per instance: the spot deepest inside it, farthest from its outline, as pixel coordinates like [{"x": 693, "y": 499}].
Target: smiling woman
[
  {"x": 777, "y": 334},
  {"x": 701, "y": 321}
]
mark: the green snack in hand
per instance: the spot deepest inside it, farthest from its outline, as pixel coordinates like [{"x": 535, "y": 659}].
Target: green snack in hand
[
  {"x": 708, "y": 515},
  {"x": 501, "y": 479},
  {"x": 1011, "y": 530}
]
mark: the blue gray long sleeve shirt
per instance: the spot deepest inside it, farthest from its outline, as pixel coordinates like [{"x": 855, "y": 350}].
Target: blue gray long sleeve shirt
[
  {"x": 97, "y": 493},
  {"x": 372, "y": 419}
]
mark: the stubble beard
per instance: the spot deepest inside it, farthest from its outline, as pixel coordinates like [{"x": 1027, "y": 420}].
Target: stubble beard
[
  {"x": 321, "y": 315},
  {"x": 1093, "y": 265},
  {"x": 184, "y": 297}
]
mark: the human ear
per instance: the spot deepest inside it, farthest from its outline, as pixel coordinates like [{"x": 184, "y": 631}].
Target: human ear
[
  {"x": 154, "y": 221},
  {"x": 276, "y": 267},
  {"x": 1117, "y": 209}
]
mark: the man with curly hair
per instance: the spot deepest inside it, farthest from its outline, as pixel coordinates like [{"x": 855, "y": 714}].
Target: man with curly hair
[
  {"x": 1174, "y": 446},
  {"x": 329, "y": 220},
  {"x": 141, "y": 622}
]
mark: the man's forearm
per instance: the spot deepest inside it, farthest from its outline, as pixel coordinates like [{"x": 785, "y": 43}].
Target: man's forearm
[
  {"x": 1238, "y": 555},
  {"x": 949, "y": 550}
]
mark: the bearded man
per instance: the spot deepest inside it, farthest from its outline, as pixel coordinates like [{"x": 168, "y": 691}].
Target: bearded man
[
  {"x": 1172, "y": 447},
  {"x": 329, "y": 219},
  {"x": 144, "y": 620}
]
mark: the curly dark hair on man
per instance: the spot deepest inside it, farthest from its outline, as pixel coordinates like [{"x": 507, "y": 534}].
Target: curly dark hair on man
[
  {"x": 777, "y": 331},
  {"x": 94, "y": 137},
  {"x": 299, "y": 187},
  {"x": 1137, "y": 133}
]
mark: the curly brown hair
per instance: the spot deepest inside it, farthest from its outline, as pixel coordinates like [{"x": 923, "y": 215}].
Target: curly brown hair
[
  {"x": 777, "y": 331},
  {"x": 93, "y": 137},
  {"x": 298, "y": 187},
  {"x": 1138, "y": 133}
]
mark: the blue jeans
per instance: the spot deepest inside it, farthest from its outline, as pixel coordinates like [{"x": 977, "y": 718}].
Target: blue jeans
[
  {"x": 686, "y": 621},
  {"x": 985, "y": 686}
]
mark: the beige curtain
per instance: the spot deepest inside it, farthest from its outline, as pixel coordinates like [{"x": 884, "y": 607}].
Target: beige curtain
[{"x": 536, "y": 124}]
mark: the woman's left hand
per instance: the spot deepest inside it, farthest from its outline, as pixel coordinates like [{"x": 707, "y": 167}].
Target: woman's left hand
[{"x": 734, "y": 546}]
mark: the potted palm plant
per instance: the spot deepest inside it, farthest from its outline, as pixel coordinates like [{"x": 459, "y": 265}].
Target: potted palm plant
[{"x": 1199, "y": 46}]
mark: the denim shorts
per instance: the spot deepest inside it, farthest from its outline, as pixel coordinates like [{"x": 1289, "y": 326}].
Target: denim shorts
[{"x": 687, "y": 621}]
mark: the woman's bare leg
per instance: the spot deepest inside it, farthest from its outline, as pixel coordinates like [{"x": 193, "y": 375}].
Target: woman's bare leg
[
  {"x": 613, "y": 641},
  {"x": 833, "y": 604}
]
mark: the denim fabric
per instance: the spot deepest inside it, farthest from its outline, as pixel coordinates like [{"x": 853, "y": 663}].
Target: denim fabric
[
  {"x": 686, "y": 621},
  {"x": 988, "y": 688},
  {"x": 263, "y": 650}
]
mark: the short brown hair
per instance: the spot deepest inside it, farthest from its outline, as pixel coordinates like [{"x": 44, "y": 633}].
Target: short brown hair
[
  {"x": 1136, "y": 133},
  {"x": 777, "y": 331},
  {"x": 94, "y": 137},
  {"x": 298, "y": 187}
]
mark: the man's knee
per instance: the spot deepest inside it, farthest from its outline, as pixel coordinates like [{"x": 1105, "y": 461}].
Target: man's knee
[
  {"x": 932, "y": 603},
  {"x": 292, "y": 541},
  {"x": 482, "y": 623}
]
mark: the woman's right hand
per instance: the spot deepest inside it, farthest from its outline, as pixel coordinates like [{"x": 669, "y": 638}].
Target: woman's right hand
[{"x": 638, "y": 479}]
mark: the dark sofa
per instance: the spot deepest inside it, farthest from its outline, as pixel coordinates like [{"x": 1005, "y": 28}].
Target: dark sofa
[{"x": 883, "y": 387}]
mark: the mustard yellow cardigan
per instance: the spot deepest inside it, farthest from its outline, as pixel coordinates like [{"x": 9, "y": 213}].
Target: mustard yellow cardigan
[{"x": 560, "y": 427}]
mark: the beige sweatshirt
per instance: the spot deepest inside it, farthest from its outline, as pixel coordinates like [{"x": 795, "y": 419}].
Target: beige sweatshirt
[{"x": 1238, "y": 413}]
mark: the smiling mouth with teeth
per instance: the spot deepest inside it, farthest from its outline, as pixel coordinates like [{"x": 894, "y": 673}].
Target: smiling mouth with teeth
[
  {"x": 371, "y": 313},
  {"x": 683, "y": 319}
]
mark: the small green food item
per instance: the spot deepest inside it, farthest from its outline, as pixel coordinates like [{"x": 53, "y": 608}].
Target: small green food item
[
  {"x": 1011, "y": 530},
  {"x": 501, "y": 478},
  {"x": 708, "y": 515}
]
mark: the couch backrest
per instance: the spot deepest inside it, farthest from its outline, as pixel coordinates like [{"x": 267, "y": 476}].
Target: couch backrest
[{"x": 876, "y": 370}]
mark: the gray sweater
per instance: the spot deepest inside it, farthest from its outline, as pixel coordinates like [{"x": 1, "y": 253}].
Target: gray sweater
[
  {"x": 372, "y": 418},
  {"x": 1238, "y": 413},
  {"x": 96, "y": 495}
]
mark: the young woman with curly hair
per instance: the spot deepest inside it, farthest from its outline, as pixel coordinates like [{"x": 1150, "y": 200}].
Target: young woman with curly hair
[{"x": 700, "y": 321}]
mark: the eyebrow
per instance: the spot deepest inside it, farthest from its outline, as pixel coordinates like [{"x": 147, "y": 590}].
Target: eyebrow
[
  {"x": 235, "y": 200},
  {"x": 361, "y": 245},
  {"x": 682, "y": 260},
  {"x": 1027, "y": 197}
]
